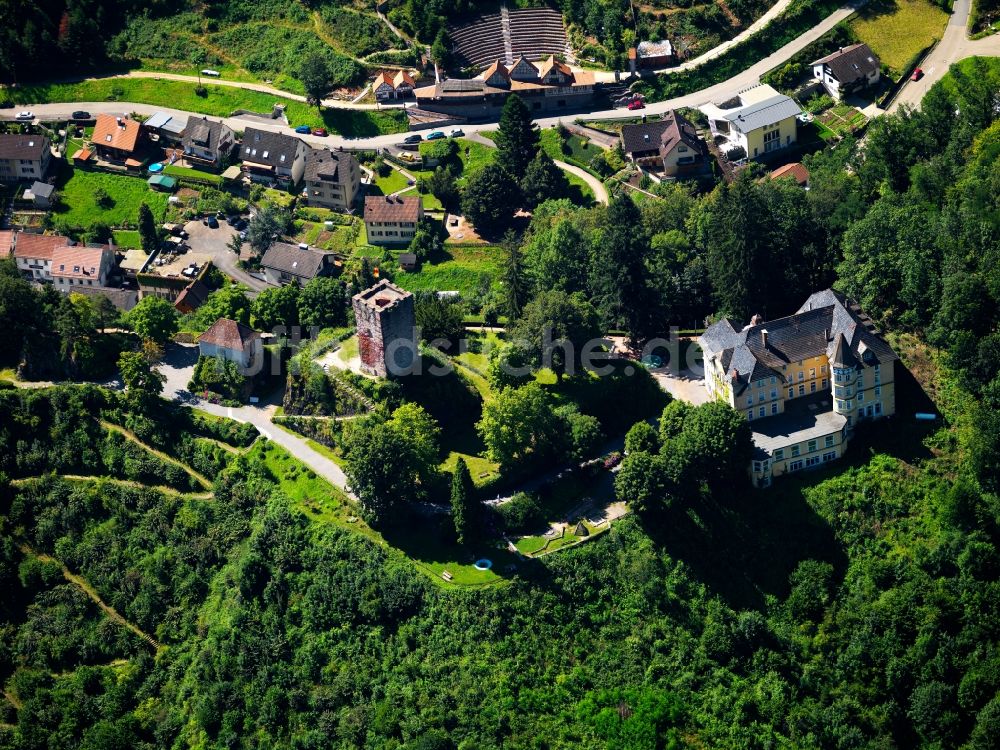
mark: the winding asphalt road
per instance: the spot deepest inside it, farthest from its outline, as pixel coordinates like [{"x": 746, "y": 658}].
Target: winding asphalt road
[
  {"x": 748, "y": 77},
  {"x": 955, "y": 45},
  {"x": 178, "y": 366}
]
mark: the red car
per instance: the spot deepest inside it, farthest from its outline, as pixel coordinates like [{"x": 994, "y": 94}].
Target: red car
[
  {"x": 917, "y": 74},
  {"x": 320, "y": 132},
  {"x": 636, "y": 104}
]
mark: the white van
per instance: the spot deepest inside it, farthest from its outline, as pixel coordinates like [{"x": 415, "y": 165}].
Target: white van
[{"x": 211, "y": 73}]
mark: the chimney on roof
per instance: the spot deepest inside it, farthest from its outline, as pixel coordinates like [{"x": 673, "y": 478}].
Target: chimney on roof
[{"x": 763, "y": 337}]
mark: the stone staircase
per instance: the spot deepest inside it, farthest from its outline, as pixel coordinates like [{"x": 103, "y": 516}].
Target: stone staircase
[{"x": 508, "y": 49}]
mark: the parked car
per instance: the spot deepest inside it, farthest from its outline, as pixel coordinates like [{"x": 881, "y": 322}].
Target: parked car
[
  {"x": 918, "y": 73},
  {"x": 81, "y": 114},
  {"x": 213, "y": 223},
  {"x": 231, "y": 220},
  {"x": 805, "y": 117},
  {"x": 456, "y": 133},
  {"x": 636, "y": 104},
  {"x": 26, "y": 115},
  {"x": 243, "y": 235},
  {"x": 241, "y": 225},
  {"x": 303, "y": 129},
  {"x": 437, "y": 135},
  {"x": 415, "y": 138},
  {"x": 320, "y": 132}
]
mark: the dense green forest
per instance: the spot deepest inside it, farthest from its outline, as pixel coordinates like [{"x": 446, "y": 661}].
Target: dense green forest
[{"x": 162, "y": 588}]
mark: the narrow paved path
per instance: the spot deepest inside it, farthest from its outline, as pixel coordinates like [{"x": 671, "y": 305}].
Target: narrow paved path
[
  {"x": 86, "y": 588},
  {"x": 600, "y": 192},
  {"x": 260, "y": 417},
  {"x": 178, "y": 365}
]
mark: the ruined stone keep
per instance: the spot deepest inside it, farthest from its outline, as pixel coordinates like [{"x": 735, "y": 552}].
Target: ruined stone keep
[{"x": 386, "y": 324}]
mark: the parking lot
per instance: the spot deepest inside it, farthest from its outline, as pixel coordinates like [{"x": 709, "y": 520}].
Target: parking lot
[{"x": 215, "y": 242}]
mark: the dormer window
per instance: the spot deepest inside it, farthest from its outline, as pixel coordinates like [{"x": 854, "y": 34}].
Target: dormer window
[{"x": 264, "y": 154}]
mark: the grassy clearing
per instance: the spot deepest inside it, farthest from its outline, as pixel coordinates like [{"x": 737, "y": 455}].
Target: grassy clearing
[
  {"x": 426, "y": 547},
  {"x": 897, "y": 30},
  {"x": 78, "y": 206},
  {"x": 461, "y": 269},
  {"x": 127, "y": 239},
  {"x": 219, "y": 101},
  {"x": 580, "y": 150},
  {"x": 194, "y": 174},
  {"x": 391, "y": 183}
]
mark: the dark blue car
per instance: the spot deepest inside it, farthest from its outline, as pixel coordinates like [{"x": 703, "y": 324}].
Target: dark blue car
[{"x": 304, "y": 129}]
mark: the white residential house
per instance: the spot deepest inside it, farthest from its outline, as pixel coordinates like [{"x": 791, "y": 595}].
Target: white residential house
[
  {"x": 392, "y": 220},
  {"x": 848, "y": 70},
  {"x": 273, "y": 157},
  {"x": 757, "y": 120},
  {"x": 33, "y": 253},
  {"x": 232, "y": 341},
  {"x": 77, "y": 266}
]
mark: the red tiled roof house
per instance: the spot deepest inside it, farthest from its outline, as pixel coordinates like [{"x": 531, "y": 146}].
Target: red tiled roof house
[
  {"x": 116, "y": 138},
  {"x": 231, "y": 341},
  {"x": 33, "y": 253},
  {"x": 81, "y": 266}
]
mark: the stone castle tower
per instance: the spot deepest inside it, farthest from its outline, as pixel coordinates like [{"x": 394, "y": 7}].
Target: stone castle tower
[{"x": 386, "y": 323}]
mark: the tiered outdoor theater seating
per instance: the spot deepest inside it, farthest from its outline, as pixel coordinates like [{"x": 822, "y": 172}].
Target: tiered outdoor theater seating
[
  {"x": 537, "y": 33},
  {"x": 478, "y": 43}
]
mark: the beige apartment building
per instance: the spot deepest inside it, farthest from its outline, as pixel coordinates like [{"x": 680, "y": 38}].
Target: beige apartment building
[
  {"x": 332, "y": 180},
  {"x": 805, "y": 382}
]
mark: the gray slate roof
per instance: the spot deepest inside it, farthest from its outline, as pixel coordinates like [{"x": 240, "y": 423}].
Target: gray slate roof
[
  {"x": 772, "y": 110},
  {"x": 42, "y": 189},
  {"x": 204, "y": 133},
  {"x": 849, "y": 64},
  {"x": 291, "y": 259},
  {"x": 643, "y": 137},
  {"x": 804, "y": 419},
  {"x": 324, "y": 165},
  {"x": 14, "y": 146},
  {"x": 827, "y": 324},
  {"x": 265, "y": 147}
]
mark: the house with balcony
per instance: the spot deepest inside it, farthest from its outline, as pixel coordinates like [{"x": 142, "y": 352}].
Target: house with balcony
[
  {"x": 117, "y": 139},
  {"x": 207, "y": 143},
  {"x": 273, "y": 158},
  {"x": 332, "y": 180},
  {"x": 848, "y": 70},
  {"x": 753, "y": 122},
  {"x": 805, "y": 382},
  {"x": 670, "y": 145}
]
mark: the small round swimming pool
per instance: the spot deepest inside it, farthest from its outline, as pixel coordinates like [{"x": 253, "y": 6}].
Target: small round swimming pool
[
  {"x": 482, "y": 564},
  {"x": 156, "y": 168}
]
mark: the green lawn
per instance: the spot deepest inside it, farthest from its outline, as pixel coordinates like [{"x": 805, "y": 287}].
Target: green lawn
[
  {"x": 78, "y": 206},
  {"x": 219, "y": 101},
  {"x": 195, "y": 175},
  {"x": 897, "y": 30},
  {"x": 460, "y": 270},
  {"x": 426, "y": 546},
  {"x": 126, "y": 238},
  {"x": 581, "y": 151},
  {"x": 391, "y": 183}
]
